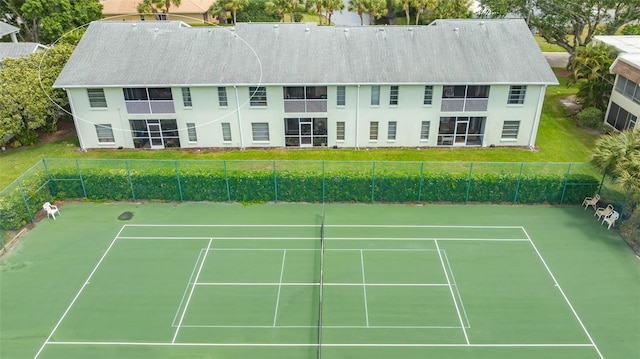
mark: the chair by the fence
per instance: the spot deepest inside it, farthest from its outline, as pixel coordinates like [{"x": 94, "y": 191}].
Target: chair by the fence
[
  {"x": 603, "y": 212},
  {"x": 50, "y": 209},
  {"x": 591, "y": 201},
  {"x": 611, "y": 219}
]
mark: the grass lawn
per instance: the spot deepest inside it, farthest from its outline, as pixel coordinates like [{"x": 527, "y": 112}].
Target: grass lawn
[{"x": 559, "y": 140}]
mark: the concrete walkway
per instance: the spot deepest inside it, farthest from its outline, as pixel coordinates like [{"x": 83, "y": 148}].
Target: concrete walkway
[{"x": 557, "y": 59}]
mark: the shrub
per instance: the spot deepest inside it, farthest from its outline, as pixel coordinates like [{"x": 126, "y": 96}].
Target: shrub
[{"x": 590, "y": 117}]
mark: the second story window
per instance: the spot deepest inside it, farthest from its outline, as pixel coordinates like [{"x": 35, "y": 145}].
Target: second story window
[
  {"x": 186, "y": 97},
  {"x": 375, "y": 95},
  {"x": 96, "y": 98},
  {"x": 148, "y": 100},
  {"x": 428, "y": 96},
  {"x": 516, "y": 95},
  {"x": 628, "y": 88},
  {"x": 393, "y": 96},
  {"x": 341, "y": 96},
  {"x": 222, "y": 97},
  {"x": 258, "y": 96},
  {"x": 465, "y": 98}
]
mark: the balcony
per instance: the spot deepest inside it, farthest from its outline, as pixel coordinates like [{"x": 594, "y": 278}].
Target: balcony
[{"x": 314, "y": 105}]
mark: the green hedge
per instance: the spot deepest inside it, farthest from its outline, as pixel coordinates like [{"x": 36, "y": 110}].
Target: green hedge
[{"x": 195, "y": 184}]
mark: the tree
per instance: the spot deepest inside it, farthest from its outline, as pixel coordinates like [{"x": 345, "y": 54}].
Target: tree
[
  {"x": 619, "y": 156},
  {"x": 359, "y": 7},
  {"x": 589, "y": 66},
  {"x": 29, "y": 103},
  {"x": 377, "y": 9},
  {"x": 159, "y": 8},
  {"x": 452, "y": 9},
  {"x": 232, "y": 5},
  {"x": 406, "y": 6},
  {"x": 332, "y": 6},
  {"x": 558, "y": 21},
  {"x": 277, "y": 7},
  {"x": 631, "y": 29},
  {"x": 47, "y": 20},
  {"x": 422, "y": 5},
  {"x": 319, "y": 6}
]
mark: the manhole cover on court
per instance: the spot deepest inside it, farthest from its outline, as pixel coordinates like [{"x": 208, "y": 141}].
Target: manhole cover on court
[{"x": 125, "y": 216}]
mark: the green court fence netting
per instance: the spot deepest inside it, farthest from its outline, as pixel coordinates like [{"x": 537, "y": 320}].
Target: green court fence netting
[{"x": 299, "y": 181}]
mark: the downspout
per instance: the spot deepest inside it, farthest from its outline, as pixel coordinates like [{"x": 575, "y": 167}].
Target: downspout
[
  {"x": 536, "y": 120},
  {"x": 357, "y": 116},
  {"x": 239, "y": 117},
  {"x": 75, "y": 122}
]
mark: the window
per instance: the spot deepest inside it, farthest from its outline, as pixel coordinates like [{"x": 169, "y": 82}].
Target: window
[
  {"x": 222, "y": 97},
  {"x": 628, "y": 88},
  {"x": 96, "y": 98},
  {"x": 620, "y": 118},
  {"x": 191, "y": 130},
  {"x": 516, "y": 95},
  {"x": 465, "y": 98},
  {"x": 428, "y": 95},
  {"x": 373, "y": 131},
  {"x": 340, "y": 130},
  {"x": 135, "y": 94},
  {"x": 341, "y": 96},
  {"x": 148, "y": 100},
  {"x": 305, "y": 98},
  {"x": 260, "y": 131},
  {"x": 258, "y": 96},
  {"x": 510, "y": 130},
  {"x": 105, "y": 134},
  {"x": 391, "y": 131},
  {"x": 375, "y": 95},
  {"x": 461, "y": 131},
  {"x": 226, "y": 131},
  {"x": 424, "y": 130},
  {"x": 186, "y": 97},
  {"x": 393, "y": 96}
]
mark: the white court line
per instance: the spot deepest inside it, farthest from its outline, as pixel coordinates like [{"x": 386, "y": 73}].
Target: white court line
[
  {"x": 86, "y": 282},
  {"x": 318, "y": 225},
  {"x": 186, "y": 305},
  {"x": 453, "y": 279},
  {"x": 275, "y": 316},
  {"x": 364, "y": 288},
  {"x": 324, "y": 326},
  {"x": 453, "y": 296},
  {"x": 555, "y": 282},
  {"x": 333, "y": 238},
  {"x": 186, "y": 289},
  {"x": 327, "y": 249},
  {"x": 257, "y": 284},
  {"x": 408, "y": 345}
]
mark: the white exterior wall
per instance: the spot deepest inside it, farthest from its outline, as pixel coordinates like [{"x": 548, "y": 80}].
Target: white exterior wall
[{"x": 207, "y": 115}]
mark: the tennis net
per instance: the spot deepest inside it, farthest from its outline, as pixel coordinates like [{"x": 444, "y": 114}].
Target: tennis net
[{"x": 321, "y": 285}]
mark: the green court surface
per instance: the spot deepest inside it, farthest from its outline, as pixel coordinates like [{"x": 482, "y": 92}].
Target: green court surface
[{"x": 203, "y": 280}]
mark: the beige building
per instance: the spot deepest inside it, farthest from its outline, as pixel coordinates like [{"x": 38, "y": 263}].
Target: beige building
[{"x": 189, "y": 11}]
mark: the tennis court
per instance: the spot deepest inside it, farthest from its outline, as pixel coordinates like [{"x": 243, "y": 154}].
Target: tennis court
[{"x": 202, "y": 280}]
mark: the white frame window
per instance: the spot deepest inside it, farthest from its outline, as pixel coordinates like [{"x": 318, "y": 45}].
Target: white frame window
[
  {"x": 105, "y": 133},
  {"x": 226, "y": 132},
  {"x": 186, "y": 97},
  {"x": 222, "y": 97},
  {"x": 375, "y": 95},
  {"x": 191, "y": 131},
  {"x": 97, "y": 98},
  {"x": 428, "y": 96},
  {"x": 373, "y": 131},
  {"x": 510, "y": 130},
  {"x": 392, "y": 130},
  {"x": 341, "y": 96},
  {"x": 517, "y": 94},
  {"x": 340, "y": 130},
  {"x": 425, "y": 127},
  {"x": 260, "y": 131},
  {"x": 394, "y": 93},
  {"x": 258, "y": 96}
]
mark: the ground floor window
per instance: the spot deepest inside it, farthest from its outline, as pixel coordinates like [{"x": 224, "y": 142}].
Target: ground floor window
[
  {"x": 305, "y": 132},
  {"x": 510, "y": 130},
  {"x": 620, "y": 118},
  {"x": 461, "y": 131},
  {"x": 260, "y": 131},
  {"x": 154, "y": 133},
  {"x": 105, "y": 134}
]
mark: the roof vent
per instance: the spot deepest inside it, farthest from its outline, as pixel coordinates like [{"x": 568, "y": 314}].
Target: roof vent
[
  {"x": 481, "y": 23},
  {"x": 232, "y": 29},
  {"x": 307, "y": 29},
  {"x": 156, "y": 29},
  {"x": 455, "y": 29},
  {"x": 134, "y": 25},
  {"x": 381, "y": 29},
  {"x": 276, "y": 26},
  {"x": 410, "y": 29},
  {"x": 346, "y": 30}
]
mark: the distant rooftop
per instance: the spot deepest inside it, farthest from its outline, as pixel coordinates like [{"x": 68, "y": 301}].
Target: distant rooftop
[
  {"x": 626, "y": 43},
  {"x": 15, "y": 50},
  {"x": 119, "y": 7},
  {"x": 6, "y": 29}
]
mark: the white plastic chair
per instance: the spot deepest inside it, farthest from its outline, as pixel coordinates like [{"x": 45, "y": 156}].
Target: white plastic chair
[
  {"x": 591, "y": 201},
  {"x": 51, "y": 209},
  {"x": 603, "y": 212},
  {"x": 611, "y": 219}
]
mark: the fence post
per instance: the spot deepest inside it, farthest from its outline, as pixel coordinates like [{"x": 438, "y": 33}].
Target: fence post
[
  {"x": 24, "y": 199},
  {"x": 179, "y": 182},
  {"x": 46, "y": 171},
  {"x": 564, "y": 187},
  {"x": 469, "y": 182},
  {"x": 420, "y": 184},
  {"x": 226, "y": 178},
  {"x": 324, "y": 184},
  {"x": 515, "y": 198},
  {"x": 373, "y": 177},
  {"x": 84, "y": 189},
  {"x": 133, "y": 193},
  {"x": 604, "y": 175},
  {"x": 275, "y": 182}
]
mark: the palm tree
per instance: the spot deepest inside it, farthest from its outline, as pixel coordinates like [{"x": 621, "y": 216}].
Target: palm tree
[
  {"x": 331, "y": 6},
  {"x": 157, "y": 7},
  {"x": 377, "y": 8},
  {"x": 277, "y": 7},
  {"x": 230, "y": 5},
  {"x": 406, "y": 5},
  {"x": 318, "y": 5},
  {"x": 422, "y": 5},
  {"x": 358, "y": 6},
  {"x": 619, "y": 156},
  {"x": 293, "y": 4},
  {"x": 591, "y": 63}
]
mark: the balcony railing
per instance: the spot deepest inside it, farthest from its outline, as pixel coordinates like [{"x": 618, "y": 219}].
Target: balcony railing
[
  {"x": 156, "y": 106},
  {"x": 461, "y": 104},
  {"x": 316, "y": 105}
]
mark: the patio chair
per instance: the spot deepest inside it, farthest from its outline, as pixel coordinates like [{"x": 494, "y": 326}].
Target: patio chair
[
  {"x": 591, "y": 201},
  {"x": 603, "y": 212},
  {"x": 50, "y": 209},
  {"x": 611, "y": 219}
]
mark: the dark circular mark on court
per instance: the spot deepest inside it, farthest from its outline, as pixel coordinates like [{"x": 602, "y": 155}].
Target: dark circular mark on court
[{"x": 125, "y": 216}]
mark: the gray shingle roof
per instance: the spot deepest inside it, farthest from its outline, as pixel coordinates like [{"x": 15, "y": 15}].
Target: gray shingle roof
[
  {"x": 6, "y": 29},
  {"x": 169, "y": 53},
  {"x": 14, "y": 50}
]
